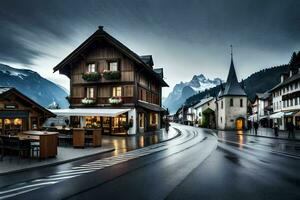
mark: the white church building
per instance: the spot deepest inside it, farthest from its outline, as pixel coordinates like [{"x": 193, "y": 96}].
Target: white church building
[{"x": 231, "y": 104}]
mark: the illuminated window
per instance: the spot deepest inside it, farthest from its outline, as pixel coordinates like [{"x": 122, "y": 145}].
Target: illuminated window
[
  {"x": 113, "y": 66},
  {"x": 117, "y": 91},
  {"x": 92, "y": 67},
  {"x": 90, "y": 93}
]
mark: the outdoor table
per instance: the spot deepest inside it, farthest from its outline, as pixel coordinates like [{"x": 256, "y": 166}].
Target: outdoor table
[
  {"x": 79, "y": 137},
  {"x": 47, "y": 140}
]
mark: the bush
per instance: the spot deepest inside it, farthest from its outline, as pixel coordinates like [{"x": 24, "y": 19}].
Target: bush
[
  {"x": 91, "y": 76},
  {"x": 111, "y": 75}
]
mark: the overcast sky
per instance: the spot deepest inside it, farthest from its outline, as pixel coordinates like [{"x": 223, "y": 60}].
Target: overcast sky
[{"x": 185, "y": 37}]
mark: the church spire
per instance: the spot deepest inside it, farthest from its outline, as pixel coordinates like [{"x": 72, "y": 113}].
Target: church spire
[{"x": 232, "y": 86}]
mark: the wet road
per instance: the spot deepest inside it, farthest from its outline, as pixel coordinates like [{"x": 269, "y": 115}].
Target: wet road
[{"x": 192, "y": 166}]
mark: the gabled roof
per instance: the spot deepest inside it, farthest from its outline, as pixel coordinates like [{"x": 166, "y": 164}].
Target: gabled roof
[
  {"x": 232, "y": 86},
  {"x": 5, "y": 91},
  {"x": 148, "y": 60},
  {"x": 203, "y": 101},
  {"x": 101, "y": 34},
  {"x": 287, "y": 81}
]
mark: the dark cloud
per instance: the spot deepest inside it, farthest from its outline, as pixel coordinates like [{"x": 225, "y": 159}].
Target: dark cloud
[{"x": 269, "y": 25}]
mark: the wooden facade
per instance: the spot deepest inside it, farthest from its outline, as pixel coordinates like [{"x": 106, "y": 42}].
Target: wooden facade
[
  {"x": 19, "y": 113},
  {"x": 100, "y": 55}
]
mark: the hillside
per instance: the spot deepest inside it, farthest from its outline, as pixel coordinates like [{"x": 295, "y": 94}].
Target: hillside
[
  {"x": 33, "y": 85},
  {"x": 257, "y": 82}
]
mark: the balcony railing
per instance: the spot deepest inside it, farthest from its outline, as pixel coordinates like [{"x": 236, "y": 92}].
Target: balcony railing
[{"x": 101, "y": 100}]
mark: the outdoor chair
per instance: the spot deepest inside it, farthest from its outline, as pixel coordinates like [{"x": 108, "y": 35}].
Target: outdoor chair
[
  {"x": 88, "y": 137},
  {"x": 13, "y": 144},
  {"x": 35, "y": 149},
  {"x": 65, "y": 137}
]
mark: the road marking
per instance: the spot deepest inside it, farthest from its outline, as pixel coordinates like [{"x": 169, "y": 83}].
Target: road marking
[{"x": 186, "y": 139}]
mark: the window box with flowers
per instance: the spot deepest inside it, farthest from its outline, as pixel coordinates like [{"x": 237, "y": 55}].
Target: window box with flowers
[
  {"x": 88, "y": 101},
  {"x": 115, "y": 100},
  {"x": 91, "y": 76},
  {"x": 111, "y": 75}
]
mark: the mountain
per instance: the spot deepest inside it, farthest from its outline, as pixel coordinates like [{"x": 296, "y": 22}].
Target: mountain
[
  {"x": 257, "y": 82},
  {"x": 182, "y": 91},
  {"x": 33, "y": 85}
]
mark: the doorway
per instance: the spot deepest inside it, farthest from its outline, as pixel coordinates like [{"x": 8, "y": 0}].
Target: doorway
[
  {"x": 141, "y": 122},
  {"x": 240, "y": 123}
]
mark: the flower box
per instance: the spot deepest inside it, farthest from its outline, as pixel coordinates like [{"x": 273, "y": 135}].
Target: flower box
[
  {"x": 91, "y": 76},
  {"x": 87, "y": 101},
  {"x": 115, "y": 100},
  {"x": 111, "y": 75}
]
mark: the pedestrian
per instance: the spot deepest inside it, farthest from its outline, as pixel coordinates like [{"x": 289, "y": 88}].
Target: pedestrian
[
  {"x": 255, "y": 125},
  {"x": 275, "y": 129},
  {"x": 289, "y": 128},
  {"x": 292, "y": 130}
]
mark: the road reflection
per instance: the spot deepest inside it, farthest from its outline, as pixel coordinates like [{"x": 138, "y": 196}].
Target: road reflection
[{"x": 127, "y": 143}]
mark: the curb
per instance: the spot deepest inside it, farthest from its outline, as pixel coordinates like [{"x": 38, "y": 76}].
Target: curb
[
  {"x": 56, "y": 163},
  {"x": 78, "y": 158}
]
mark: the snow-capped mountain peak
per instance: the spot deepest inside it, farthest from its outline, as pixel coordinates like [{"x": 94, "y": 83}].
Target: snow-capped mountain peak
[{"x": 183, "y": 90}]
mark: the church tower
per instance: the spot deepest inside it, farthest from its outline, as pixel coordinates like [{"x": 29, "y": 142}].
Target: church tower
[{"x": 231, "y": 103}]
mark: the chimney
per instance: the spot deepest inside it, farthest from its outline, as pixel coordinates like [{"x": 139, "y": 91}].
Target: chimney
[{"x": 100, "y": 28}]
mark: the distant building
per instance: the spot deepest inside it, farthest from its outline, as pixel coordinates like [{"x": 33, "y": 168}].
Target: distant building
[
  {"x": 205, "y": 112},
  {"x": 286, "y": 102},
  {"x": 19, "y": 113},
  {"x": 261, "y": 109},
  {"x": 231, "y": 103}
]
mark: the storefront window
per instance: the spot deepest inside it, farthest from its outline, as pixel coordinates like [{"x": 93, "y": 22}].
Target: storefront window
[
  {"x": 118, "y": 123},
  {"x": 93, "y": 122},
  {"x": 106, "y": 124}
]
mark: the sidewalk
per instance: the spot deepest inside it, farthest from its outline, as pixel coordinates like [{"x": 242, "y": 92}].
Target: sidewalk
[
  {"x": 268, "y": 132},
  {"x": 114, "y": 144}
]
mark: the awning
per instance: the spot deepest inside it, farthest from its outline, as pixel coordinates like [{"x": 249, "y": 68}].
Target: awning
[
  {"x": 109, "y": 112},
  {"x": 277, "y": 115},
  {"x": 291, "y": 113}
]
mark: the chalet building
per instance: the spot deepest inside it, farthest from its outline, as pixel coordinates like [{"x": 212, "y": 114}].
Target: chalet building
[
  {"x": 286, "y": 96},
  {"x": 112, "y": 87},
  {"x": 204, "y": 112},
  {"x": 261, "y": 109},
  {"x": 231, "y": 104},
  {"x": 19, "y": 113}
]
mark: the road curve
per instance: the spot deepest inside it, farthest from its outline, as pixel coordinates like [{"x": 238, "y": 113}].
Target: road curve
[{"x": 161, "y": 166}]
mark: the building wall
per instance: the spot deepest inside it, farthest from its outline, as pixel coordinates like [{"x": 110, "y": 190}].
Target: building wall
[{"x": 230, "y": 114}]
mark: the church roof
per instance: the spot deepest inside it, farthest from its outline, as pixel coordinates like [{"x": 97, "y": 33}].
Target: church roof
[{"x": 232, "y": 86}]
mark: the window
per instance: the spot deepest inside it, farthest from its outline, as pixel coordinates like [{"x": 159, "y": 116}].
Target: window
[
  {"x": 296, "y": 101},
  {"x": 90, "y": 93},
  {"x": 113, "y": 66},
  {"x": 241, "y": 102},
  {"x": 292, "y": 102},
  {"x": 221, "y": 104},
  {"x": 117, "y": 91},
  {"x": 288, "y": 103},
  {"x": 92, "y": 67},
  {"x": 231, "y": 102},
  {"x": 221, "y": 119}
]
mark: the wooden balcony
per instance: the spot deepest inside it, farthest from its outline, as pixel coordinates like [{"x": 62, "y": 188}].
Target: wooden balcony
[{"x": 101, "y": 100}]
